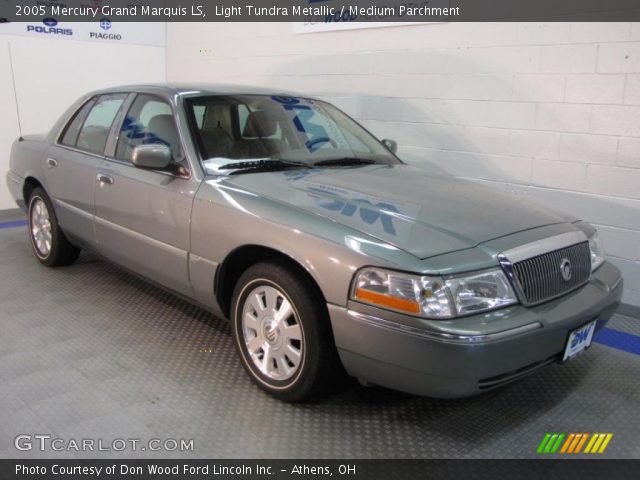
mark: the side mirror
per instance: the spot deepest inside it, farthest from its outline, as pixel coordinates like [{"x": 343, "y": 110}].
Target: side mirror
[
  {"x": 153, "y": 157},
  {"x": 391, "y": 145}
]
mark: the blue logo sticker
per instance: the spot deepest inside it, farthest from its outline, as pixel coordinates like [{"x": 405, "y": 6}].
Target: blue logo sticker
[
  {"x": 50, "y": 22},
  {"x": 105, "y": 23}
]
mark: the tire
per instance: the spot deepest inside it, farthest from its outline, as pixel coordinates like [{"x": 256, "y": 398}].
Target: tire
[
  {"x": 289, "y": 353},
  {"x": 49, "y": 243}
]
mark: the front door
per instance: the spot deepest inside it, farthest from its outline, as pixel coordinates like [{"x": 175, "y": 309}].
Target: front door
[{"x": 143, "y": 216}]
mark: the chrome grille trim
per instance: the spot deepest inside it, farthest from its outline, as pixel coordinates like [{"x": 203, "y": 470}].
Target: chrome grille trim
[
  {"x": 538, "y": 279},
  {"x": 533, "y": 249}
]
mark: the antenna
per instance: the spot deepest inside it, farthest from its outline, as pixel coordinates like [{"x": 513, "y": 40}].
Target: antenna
[{"x": 15, "y": 92}]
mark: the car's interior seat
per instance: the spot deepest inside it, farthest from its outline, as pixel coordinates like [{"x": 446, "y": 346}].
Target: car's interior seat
[
  {"x": 258, "y": 135},
  {"x": 162, "y": 129},
  {"x": 217, "y": 142},
  {"x": 93, "y": 138}
]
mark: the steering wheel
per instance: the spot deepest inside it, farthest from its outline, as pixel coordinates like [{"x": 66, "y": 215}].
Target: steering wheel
[{"x": 310, "y": 144}]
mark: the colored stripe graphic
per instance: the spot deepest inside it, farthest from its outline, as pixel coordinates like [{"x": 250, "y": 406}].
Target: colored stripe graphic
[
  {"x": 556, "y": 445},
  {"x": 576, "y": 440},
  {"x": 543, "y": 443},
  {"x": 607, "y": 439},
  {"x": 598, "y": 443},
  {"x": 573, "y": 443},
  {"x": 568, "y": 442},
  {"x": 581, "y": 443},
  {"x": 551, "y": 442}
]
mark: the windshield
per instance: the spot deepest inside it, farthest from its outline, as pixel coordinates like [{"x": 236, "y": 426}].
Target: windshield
[{"x": 255, "y": 131}]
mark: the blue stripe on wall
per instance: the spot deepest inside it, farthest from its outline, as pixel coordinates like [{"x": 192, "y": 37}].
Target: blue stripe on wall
[
  {"x": 619, "y": 340},
  {"x": 15, "y": 224}
]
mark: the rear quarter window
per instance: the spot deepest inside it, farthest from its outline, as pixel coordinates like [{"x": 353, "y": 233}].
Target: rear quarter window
[{"x": 71, "y": 131}]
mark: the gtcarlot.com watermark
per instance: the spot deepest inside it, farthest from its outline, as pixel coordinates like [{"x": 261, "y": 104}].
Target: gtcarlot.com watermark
[{"x": 48, "y": 443}]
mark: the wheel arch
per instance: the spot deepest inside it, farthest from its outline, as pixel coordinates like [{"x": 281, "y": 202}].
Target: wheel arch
[
  {"x": 30, "y": 184},
  {"x": 242, "y": 258}
]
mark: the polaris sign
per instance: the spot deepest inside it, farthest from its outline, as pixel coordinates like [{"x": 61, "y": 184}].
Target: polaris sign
[
  {"x": 104, "y": 31},
  {"x": 50, "y": 27}
]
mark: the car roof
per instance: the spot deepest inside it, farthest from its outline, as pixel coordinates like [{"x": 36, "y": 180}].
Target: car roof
[{"x": 198, "y": 89}]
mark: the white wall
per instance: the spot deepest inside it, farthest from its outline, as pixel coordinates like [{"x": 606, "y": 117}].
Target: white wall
[
  {"x": 8, "y": 122},
  {"x": 50, "y": 74},
  {"x": 549, "y": 111}
]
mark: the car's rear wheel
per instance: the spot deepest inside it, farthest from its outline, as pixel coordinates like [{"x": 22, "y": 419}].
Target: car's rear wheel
[
  {"x": 282, "y": 332},
  {"x": 50, "y": 245}
]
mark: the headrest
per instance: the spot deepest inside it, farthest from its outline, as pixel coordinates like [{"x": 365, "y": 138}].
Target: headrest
[
  {"x": 164, "y": 128},
  {"x": 261, "y": 123}
]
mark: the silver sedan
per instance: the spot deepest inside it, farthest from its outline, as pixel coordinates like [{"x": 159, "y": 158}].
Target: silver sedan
[{"x": 327, "y": 253}]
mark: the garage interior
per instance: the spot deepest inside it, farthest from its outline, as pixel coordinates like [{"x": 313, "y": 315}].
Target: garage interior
[{"x": 550, "y": 112}]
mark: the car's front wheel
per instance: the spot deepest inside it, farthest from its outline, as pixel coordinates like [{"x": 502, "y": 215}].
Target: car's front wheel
[
  {"x": 282, "y": 332},
  {"x": 50, "y": 245}
]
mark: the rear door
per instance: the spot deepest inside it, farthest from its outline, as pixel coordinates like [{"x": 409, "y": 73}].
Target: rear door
[
  {"x": 72, "y": 164},
  {"x": 143, "y": 216}
]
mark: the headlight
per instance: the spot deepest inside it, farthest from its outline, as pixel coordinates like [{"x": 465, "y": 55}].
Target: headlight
[
  {"x": 433, "y": 297},
  {"x": 597, "y": 251}
]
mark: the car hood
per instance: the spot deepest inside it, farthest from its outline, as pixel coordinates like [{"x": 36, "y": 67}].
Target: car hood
[{"x": 407, "y": 207}]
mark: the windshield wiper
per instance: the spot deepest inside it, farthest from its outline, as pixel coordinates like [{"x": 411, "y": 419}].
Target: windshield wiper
[
  {"x": 345, "y": 161},
  {"x": 262, "y": 165}
]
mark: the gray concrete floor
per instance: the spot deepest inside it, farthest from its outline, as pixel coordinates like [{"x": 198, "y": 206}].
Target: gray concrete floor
[{"x": 89, "y": 351}]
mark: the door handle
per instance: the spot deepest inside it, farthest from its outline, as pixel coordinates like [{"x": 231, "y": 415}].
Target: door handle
[
  {"x": 103, "y": 178},
  {"x": 52, "y": 162}
]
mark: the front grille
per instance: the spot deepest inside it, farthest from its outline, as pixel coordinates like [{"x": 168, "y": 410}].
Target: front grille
[{"x": 541, "y": 279}]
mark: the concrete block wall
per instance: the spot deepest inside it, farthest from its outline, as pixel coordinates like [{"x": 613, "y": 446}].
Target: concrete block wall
[
  {"x": 548, "y": 111},
  {"x": 48, "y": 75}
]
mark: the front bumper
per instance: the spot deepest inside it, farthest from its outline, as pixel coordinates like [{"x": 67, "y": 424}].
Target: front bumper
[{"x": 468, "y": 355}]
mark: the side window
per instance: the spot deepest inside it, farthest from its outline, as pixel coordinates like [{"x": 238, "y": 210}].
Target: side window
[
  {"x": 149, "y": 121},
  {"x": 70, "y": 136},
  {"x": 95, "y": 130},
  {"x": 199, "y": 111}
]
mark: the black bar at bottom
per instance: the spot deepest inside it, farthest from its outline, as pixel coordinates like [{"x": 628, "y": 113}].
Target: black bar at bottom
[{"x": 546, "y": 469}]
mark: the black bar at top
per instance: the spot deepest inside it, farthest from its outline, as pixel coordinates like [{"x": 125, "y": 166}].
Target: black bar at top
[{"x": 319, "y": 10}]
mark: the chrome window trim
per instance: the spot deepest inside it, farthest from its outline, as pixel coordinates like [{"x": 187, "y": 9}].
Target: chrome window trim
[
  {"x": 160, "y": 172},
  {"x": 77, "y": 150},
  {"x": 463, "y": 339},
  {"x": 121, "y": 162}
]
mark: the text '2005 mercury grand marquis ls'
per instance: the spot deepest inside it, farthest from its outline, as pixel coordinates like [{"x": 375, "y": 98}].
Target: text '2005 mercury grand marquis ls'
[{"x": 326, "y": 252}]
